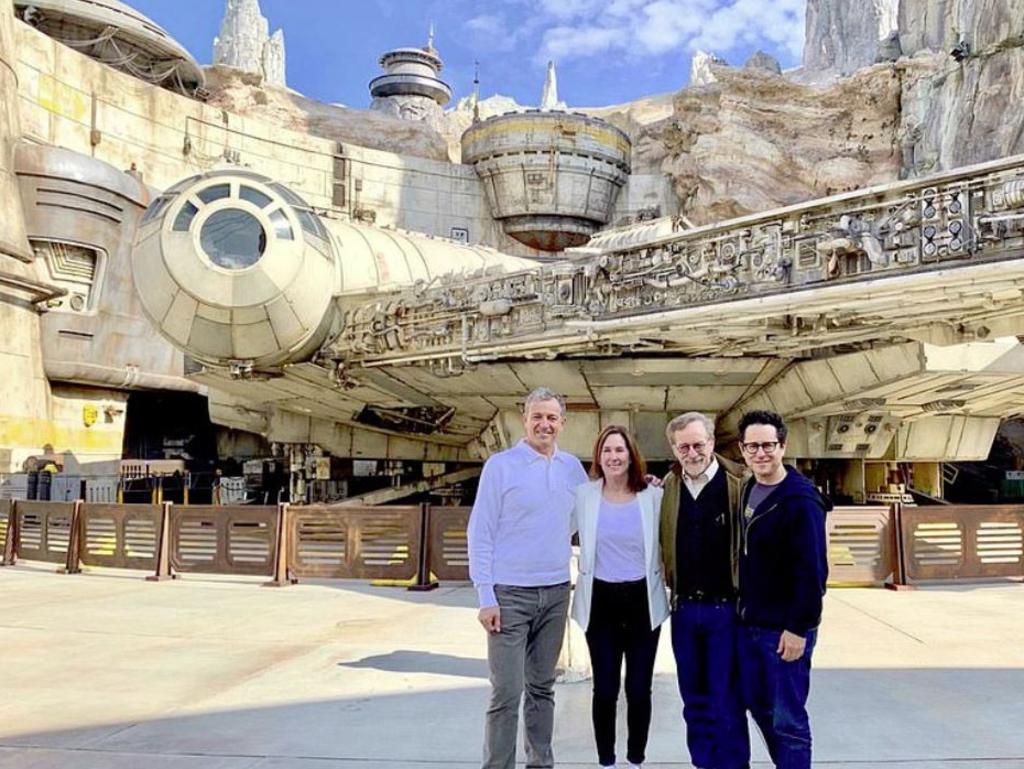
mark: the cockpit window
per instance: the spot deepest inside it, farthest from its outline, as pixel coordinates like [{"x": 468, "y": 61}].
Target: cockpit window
[
  {"x": 185, "y": 217},
  {"x": 216, "y": 192},
  {"x": 254, "y": 196},
  {"x": 156, "y": 208},
  {"x": 282, "y": 227},
  {"x": 233, "y": 239},
  {"x": 311, "y": 223},
  {"x": 288, "y": 195}
]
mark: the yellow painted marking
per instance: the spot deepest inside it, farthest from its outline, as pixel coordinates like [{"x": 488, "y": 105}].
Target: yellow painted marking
[
  {"x": 63, "y": 99},
  {"x": 32, "y": 433}
]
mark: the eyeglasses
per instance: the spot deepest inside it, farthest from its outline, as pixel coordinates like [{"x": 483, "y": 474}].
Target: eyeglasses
[
  {"x": 752, "y": 448},
  {"x": 684, "y": 448}
]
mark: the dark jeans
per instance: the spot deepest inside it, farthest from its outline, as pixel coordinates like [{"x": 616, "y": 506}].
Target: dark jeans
[
  {"x": 523, "y": 656},
  {"x": 775, "y": 693},
  {"x": 704, "y": 643},
  {"x": 620, "y": 627}
]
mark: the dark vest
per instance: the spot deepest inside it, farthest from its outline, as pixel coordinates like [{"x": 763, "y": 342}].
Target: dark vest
[{"x": 703, "y": 542}]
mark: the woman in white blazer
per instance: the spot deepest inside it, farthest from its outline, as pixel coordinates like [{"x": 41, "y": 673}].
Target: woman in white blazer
[{"x": 620, "y": 599}]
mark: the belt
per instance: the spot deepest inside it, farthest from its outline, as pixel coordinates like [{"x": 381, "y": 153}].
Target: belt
[{"x": 632, "y": 584}]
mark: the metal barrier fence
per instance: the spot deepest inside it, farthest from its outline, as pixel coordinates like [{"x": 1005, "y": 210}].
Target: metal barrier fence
[
  {"x": 860, "y": 546},
  {"x": 6, "y": 541},
  {"x": 353, "y": 542},
  {"x": 120, "y": 536},
  {"x": 962, "y": 542},
  {"x": 447, "y": 546},
  {"x": 221, "y": 540},
  {"x": 419, "y": 543},
  {"x": 44, "y": 531}
]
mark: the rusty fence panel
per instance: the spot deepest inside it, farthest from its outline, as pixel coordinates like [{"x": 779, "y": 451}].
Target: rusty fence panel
[
  {"x": 44, "y": 530},
  {"x": 353, "y": 542},
  {"x": 6, "y": 528},
  {"x": 120, "y": 536},
  {"x": 963, "y": 542},
  {"x": 447, "y": 545},
  {"x": 860, "y": 545},
  {"x": 222, "y": 539}
]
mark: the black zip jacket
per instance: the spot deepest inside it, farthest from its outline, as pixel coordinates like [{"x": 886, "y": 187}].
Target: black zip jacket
[{"x": 783, "y": 563}]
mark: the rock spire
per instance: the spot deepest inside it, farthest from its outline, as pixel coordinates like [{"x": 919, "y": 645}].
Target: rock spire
[
  {"x": 549, "y": 96},
  {"x": 245, "y": 42}
]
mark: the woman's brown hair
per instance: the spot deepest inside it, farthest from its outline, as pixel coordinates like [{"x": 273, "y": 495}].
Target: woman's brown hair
[{"x": 637, "y": 466}]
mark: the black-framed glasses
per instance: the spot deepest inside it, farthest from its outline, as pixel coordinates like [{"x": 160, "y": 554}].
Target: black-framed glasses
[
  {"x": 766, "y": 446},
  {"x": 684, "y": 448}
]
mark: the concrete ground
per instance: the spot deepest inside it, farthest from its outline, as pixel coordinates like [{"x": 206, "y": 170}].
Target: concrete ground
[{"x": 106, "y": 671}]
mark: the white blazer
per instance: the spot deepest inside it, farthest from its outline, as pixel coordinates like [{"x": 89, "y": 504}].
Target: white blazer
[{"x": 588, "y": 503}]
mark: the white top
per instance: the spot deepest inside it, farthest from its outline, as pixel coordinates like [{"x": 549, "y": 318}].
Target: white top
[
  {"x": 696, "y": 485},
  {"x": 519, "y": 529},
  {"x": 586, "y": 513},
  {"x": 619, "y": 554}
]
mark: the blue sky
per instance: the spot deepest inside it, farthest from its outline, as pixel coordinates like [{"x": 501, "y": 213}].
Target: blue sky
[{"x": 605, "y": 51}]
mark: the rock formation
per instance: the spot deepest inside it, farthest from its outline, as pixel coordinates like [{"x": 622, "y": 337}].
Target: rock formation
[
  {"x": 844, "y": 35},
  {"x": 955, "y": 108},
  {"x": 763, "y": 62},
  {"x": 549, "y": 96},
  {"x": 245, "y": 43},
  {"x": 751, "y": 140},
  {"x": 702, "y": 68}
]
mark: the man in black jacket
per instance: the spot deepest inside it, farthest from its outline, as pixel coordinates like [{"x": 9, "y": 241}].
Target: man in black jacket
[
  {"x": 782, "y": 571},
  {"x": 699, "y": 545}
]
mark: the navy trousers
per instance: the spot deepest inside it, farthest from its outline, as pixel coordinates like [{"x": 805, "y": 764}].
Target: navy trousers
[
  {"x": 775, "y": 693},
  {"x": 704, "y": 643}
]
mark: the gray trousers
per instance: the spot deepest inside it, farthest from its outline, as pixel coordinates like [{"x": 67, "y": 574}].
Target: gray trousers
[{"x": 523, "y": 656}]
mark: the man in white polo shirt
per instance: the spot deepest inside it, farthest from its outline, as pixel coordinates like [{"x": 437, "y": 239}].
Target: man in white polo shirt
[{"x": 519, "y": 550}]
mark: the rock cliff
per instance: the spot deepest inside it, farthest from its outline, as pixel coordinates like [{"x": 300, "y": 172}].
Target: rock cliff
[
  {"x": 747, "y": 140},
  {"x": 752, "y": 140},
  {"x": 843, "y": 36}
]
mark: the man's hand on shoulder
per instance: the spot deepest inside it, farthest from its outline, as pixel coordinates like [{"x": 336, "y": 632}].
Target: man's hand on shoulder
[
  {"x": 791, "y": 646},
  {"x": 490, "y": 618},
  {"x": 653, "y": 480}
]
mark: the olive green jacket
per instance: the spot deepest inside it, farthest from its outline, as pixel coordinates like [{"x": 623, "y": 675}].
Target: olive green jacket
[{"x": 734, "y": 475}]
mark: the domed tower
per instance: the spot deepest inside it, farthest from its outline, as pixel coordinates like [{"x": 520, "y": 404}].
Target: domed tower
[{"x": 410, "y": 88}]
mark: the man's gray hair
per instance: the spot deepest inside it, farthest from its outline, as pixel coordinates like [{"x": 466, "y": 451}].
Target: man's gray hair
[
  {"x": 682, "y": 421},
  {"x": 544, "y": 394}
]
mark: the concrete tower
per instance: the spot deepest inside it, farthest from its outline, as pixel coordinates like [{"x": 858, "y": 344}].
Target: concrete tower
[{"x": 410, "y": 88}]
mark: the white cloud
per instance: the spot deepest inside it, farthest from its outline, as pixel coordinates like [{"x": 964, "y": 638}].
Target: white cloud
[
  {"x": 491, "y": 32},
  {"x": 580, "y": 29},
  {"x": 565, "y": 43}
]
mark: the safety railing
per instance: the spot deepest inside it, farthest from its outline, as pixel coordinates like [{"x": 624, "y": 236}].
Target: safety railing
[{"x": 419, "y": 544}]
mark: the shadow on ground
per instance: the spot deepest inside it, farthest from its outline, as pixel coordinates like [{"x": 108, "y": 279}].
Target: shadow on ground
[{"x": 930, "y": 718}]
